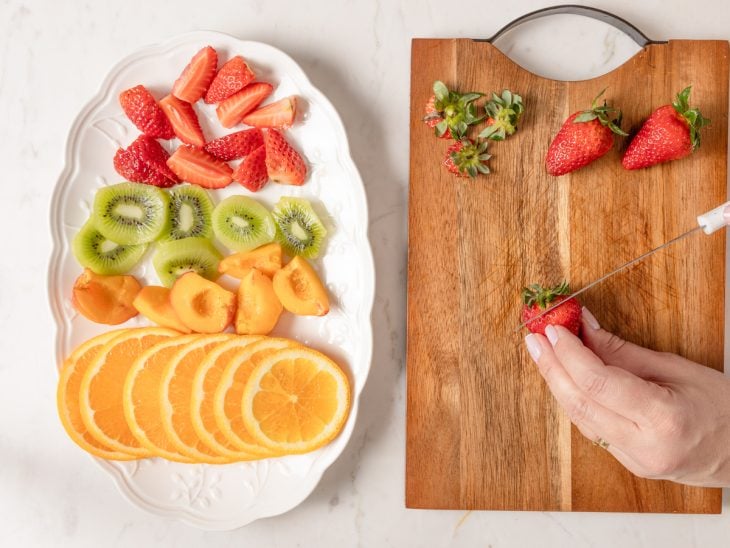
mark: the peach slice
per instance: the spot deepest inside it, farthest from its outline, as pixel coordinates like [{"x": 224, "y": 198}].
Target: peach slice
[
  {"x": 258, "y": 306},
  {"x": 202, "y": 305},
  {"x": 300, "y": 290},
  {"x": 105, "y": 299},
  {"x": 266, "y": 259},
  {"x": 153, "y": 302}
]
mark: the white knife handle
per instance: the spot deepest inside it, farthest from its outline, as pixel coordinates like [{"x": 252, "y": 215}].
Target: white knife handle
[{"x": 713, "y": 220}]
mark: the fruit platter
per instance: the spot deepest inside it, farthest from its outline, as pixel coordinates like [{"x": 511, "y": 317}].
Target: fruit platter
[{"x": 211, "y": 281}]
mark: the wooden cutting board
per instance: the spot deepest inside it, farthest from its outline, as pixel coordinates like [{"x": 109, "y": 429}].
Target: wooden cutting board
[{"x": 483, "y": 432}]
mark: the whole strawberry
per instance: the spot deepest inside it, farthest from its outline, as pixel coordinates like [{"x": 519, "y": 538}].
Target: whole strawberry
[
  {"x": 536, "y": 299},
  {"x": 503, "y": 114},
  {"x": 451, "y": 113},
  {"x": 584, "y": 137},
  {"x": 670, "y": 133},
  {"x": 467, "y": 158}
]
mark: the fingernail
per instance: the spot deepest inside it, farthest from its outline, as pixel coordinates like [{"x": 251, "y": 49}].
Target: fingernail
[
  {"x": 590, "y": 319},
  {"x": 726, "y": 213},
  {"x": 533, "y": 347},
  {"x": 552, "y": 334}
]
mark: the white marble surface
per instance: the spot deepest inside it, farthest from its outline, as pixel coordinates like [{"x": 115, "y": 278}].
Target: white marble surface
[{"x": 53, "y": 56}]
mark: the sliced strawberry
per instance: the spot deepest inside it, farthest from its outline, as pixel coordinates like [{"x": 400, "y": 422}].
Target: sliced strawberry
[
  {"x": 279, "y": 114},
  {"x": 283, "y": 163},
  {"x": 231, "y": 78},
  {"x": 233, "y": 109},
  {"x": 197, "y": 76},
  {"x": 235, "y": 145},
  {"x": 251, "y": 173},
  {"x": 144, "y": 112},
  {"x": 184, "y": 120},
  {"x": 196, "y": 166},
  {"x": 144, "y": 161}
]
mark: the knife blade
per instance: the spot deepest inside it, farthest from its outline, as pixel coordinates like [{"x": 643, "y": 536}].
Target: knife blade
[{"x": 708, "y": 222}]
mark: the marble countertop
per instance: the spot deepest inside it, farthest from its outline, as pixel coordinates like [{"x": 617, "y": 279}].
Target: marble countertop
[{"x": 53, "y": 56}]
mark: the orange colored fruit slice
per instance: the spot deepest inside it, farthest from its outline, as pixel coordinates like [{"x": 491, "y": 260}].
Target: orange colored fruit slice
[
  {"x": 266, "y": 259},
  {"x": 206, "y": 380},
  {"x": 100, "y": 395},
  {"x": 296, "y": 400},
  {"x": 229, "y": 393},
  {"x": 176, "y": 394},
  {"x": 67, "y": 397},
  {"x": 141, "y": 398}
]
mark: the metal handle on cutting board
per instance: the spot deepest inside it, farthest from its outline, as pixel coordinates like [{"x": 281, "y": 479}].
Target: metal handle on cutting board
[{"x": 621, "y": 24}]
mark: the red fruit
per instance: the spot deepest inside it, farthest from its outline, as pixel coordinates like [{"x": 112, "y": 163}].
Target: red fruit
[
  {"x": 235, "y": 145},
  {"x": 279, "y": 114},
  {"x": 144, "y": 161},
  {"x": 584, "y": 137},
  {"x": 466, "y": 158},
  {"x": 231, "y": 78},
  {"x": 184, "y": 120},
  {"x": 197, "y": 76},
  {"x": 144, "y": 112},
  {"x": 233, "y": 109},
  {"x": 251, "y": 173},
  {"x": 670, "y": 133},
  {"x": 535, "y": 300},
  {"x": 283, "y": 163},
  {"x": 433, "y": 118},
  {"x": 196, "y": 166}
]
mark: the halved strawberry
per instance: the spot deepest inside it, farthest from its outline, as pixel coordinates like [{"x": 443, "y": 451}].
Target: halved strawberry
[
  {"x": 235, "y": 145},
  {"x": 279, "y": 114},
  {"x": 197, "y": 76},
  {"x": 283, "y": 163},
  {"x": 196, "y": 166},
  {"x": 144, "y": 161},
  {"x": 144, "y": 112},
  {"x": 184, "y": 120},
  {"x": 231, "y": 78},
  {"x": 233, "y": 109},
  {"x": 251, "y": 173}
]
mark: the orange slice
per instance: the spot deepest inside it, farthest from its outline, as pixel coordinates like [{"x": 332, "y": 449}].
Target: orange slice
[
  {"x": 296, "y": 400},
  {"x": 176, "y": 393},
  {"x": 229, "y": 394},
  {"x": 67, "y": 397},
  {"x": 100, "y": 396},
  {"x": 205, "y": 382},
  {"x": 141, "y": 397}
]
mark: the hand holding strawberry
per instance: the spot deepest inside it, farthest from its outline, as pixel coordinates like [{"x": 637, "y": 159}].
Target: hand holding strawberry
[{"x": 537, "y": 299}]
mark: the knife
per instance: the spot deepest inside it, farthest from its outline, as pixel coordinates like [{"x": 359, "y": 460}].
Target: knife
[{"x": 709, "y": 222}]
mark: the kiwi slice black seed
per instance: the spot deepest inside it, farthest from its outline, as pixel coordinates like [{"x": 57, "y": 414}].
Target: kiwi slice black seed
[
  {"x": 242, "y": 224},
  {"x": 299, "y": 230},
  {"x": 131, "y": 213},
  {"x": 176, "y": 257},
  {"x": 95, "y": 251},
  {"x": 190, "y": 213}
]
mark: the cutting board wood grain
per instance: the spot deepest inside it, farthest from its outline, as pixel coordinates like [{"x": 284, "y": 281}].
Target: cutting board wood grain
[{"x": 483, "y": 432}]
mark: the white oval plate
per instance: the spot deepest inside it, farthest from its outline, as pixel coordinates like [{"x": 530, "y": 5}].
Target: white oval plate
[{"x": 228, "y": 496}]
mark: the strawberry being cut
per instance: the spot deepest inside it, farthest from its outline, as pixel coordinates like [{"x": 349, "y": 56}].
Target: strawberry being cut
[
  {"x": 277, "y": 115},
  {"x": 231, "y": 78},
  {"x": 196, "y": 166},
  {"x": 232, "y": 110},
  {"x": 184, "y": 120},
  {"x": 536, "y": 299},
  {"x": 584, "y": 137},
  {"x": 197, "y": 76},
  {"x": 283, "y": 163},
  {"x": 235, "y": 145},
  {"x": 251, "y": 173},
  {"x": 144, "y": 161},
  {"x": 144, "y": 112},
  {"x": 451, "y": 113},
  {"x": 670, "y": 133},
  {"x": 467, "y": 158}
]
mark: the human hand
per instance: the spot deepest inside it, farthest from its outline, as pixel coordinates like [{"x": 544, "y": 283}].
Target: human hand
[{"x": 663, "y": 416}]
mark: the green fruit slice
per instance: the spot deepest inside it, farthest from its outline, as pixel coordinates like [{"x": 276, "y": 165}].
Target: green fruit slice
[
  {"x": 241, "y": 223},
  {"x": 103, "y": 256},
  {"x": 176, "y": 257},
  {"x": 299, "y": 230},
  {"x": 190, "y": 213},
  {"x": 131, "y": 213}
]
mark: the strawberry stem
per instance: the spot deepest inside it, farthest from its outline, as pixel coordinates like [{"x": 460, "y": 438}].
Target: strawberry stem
[
  {"x": 693, "y": 116},
  {"x": 535, "y": 293},
  {"x": 603, "y": 114}
]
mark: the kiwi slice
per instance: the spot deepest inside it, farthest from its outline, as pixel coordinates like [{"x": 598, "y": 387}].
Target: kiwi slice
[
  {"x": 176, "y": 257},
  {"x": 95, "y": 251},
  {"x": 131, "y": 213},
  {"x": 189, "y": 212},
  {"x": 299, "y": 230},
  {"x": 242, "y": 224}
]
